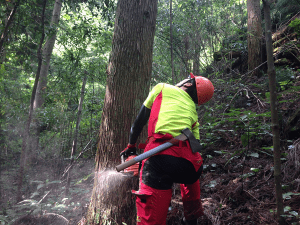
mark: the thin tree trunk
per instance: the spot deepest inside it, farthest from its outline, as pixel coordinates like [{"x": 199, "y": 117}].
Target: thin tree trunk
[
  {"x": 47, "y": 52},
  {"x": 186, "y": 55},
  {"x": 274, "y": 113},
  {"x": 74, "y": 145},
  {"x": 91, "y": 114},
  {"x": 42, "y": 84},
  {"x": 9, "y": 21},
  {"x": 196, "y": 62},
  {"x": 1, "y": 154},
  {"x": 171, "y": 42},
  {"x": 196, "y": 57},
  {"x": 26, "y": 134}
]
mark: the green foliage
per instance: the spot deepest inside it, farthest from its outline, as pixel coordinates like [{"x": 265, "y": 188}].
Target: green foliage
[
  {"x": 198, "y": 27},
  {"x": 237, "y": 124},
  {"x": 284, "y": 78},
  {"x": 37, "y": 202},
  {"x": 289, "y": 195},
  {"x": 82, "y": 47},
  {"x": 291, "y": 214},
  {"x": 283, "y": 10},
  {"x": 3, "y": 220},
  {"x": 236, "y": 42},
  {"x": 296, "y": 25},
  {"x": 250, "y": 122}
]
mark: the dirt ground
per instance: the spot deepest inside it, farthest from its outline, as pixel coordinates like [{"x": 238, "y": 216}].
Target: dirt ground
[
  {"x": 243, "y": 192},
  {"x": 235, "y": 194},
  {"x": 45, "y": 192}
]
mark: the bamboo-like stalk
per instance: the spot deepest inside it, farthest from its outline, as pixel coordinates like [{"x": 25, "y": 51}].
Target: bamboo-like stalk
[{"x": 274, "y": 113}]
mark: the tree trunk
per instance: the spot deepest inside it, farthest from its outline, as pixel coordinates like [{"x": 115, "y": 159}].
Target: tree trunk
[
  {"x": 254, "y": 36},
  {"x": 26, "y": 135},
  {"x": 42, "y": 84},
  {"x": 196, "y": 56},
  {"x": 74, "y": 144},
  {"x": 2, "y": 153},
  {"x": 186, "y": 44},
  {"x": 274, "y": 113},
  {"x": 196, "y": 63},
  {"x": 128, "y": 81},
  {"x": 171, "y": 42},
  {"x": 5, "y": 31},
  {"x": 47, "y": 52}
]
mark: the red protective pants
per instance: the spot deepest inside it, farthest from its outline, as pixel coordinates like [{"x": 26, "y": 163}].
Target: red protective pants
[
  {"x": 152, "y": 204},
  {"x": 176, "y": 164}
]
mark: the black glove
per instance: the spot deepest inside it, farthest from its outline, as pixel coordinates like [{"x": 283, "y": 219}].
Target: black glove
[{"x": 128, "y": 151}]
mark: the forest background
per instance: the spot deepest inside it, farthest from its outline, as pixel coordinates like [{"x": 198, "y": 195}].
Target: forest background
[{"x": 53, "y": 72}]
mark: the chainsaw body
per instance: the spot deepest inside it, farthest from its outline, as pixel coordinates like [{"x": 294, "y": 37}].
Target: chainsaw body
[{"x": 134, "y": 169}]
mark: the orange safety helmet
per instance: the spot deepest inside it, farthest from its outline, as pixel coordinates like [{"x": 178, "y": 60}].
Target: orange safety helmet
[{"x": 205, "y": 89}]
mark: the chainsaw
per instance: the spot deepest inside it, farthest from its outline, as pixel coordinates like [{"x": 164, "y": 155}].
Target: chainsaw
[
  {"x": 133, "y": 168},
  {"x": 135, "y": 159}
]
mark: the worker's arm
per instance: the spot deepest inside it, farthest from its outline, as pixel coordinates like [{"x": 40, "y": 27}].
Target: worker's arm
[
  {"x": 144, "y": 114},
  {"x": 135, "y": 131},
  {"x": 139, "y": 123}
]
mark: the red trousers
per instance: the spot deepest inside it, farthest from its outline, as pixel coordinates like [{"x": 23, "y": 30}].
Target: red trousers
[{"x": 157, "y": 175}]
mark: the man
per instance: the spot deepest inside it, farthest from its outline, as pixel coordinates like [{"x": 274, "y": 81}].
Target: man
[{"x": 169, "y": 109}]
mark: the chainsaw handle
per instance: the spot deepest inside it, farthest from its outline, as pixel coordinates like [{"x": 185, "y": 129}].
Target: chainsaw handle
[
  {"x": 143, "y": 156},
  {"x": 126, "y": 164}
]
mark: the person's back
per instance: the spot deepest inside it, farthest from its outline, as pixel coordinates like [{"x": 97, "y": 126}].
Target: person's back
[{"x": 172, "y": 110}]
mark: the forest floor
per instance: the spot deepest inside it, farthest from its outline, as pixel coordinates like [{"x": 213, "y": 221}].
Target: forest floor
[
  {"x": 46, "y": 193},
  {"x": 239, "y": 192}
]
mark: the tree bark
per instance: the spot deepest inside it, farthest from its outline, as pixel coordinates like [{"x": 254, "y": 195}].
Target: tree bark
[
  {"x": 196, "y": 63},
  {"x": 196, "y": 56},
  {"x": 128, "y": 75},
  {"x": 254, "y": 36},
  {"x": 128, "y": 81},
  {"x": 47, "y": 52},
  {"x": 26, "y": 135},
  {"x": 171, "y": 42},
  {"x": 2, "y": 149},
  {"x": 186, "y": 44},
  {"x": 274, "y": 113}
]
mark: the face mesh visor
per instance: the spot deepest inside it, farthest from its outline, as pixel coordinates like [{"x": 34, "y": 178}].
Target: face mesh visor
[{"x": 181, "y": 83}]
